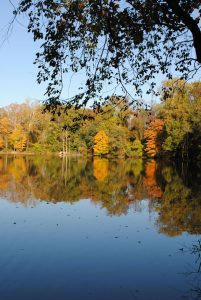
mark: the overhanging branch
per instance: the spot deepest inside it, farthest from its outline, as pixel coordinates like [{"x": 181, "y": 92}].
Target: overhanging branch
[{"x": 190, "y": 23}]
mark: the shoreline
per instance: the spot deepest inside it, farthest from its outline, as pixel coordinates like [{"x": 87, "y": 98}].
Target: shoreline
[{"x": 39, "y": 154}]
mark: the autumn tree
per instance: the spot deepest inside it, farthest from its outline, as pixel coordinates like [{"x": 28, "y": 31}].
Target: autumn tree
[
  {"x": 101, "y": 143},
  {"x": 5, "y": 130},
  {"x": 153, "y": 137},
  {"x": 27, "y": 118},
  {"x": 114, "y": 120},
  {"x": 172, "y": 127},
  {"x": 18, "y": 138},
  {"x": 119, "y": 42},
  {"x": 14, "y": 114}
]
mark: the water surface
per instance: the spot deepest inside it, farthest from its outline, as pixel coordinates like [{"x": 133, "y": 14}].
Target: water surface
[{"x": 81, "y": 229}]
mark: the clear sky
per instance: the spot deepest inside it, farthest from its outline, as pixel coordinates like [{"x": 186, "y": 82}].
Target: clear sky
[{"x": 17, "y": 72}]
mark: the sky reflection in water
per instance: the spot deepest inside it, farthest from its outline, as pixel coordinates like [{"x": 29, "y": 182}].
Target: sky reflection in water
[{"x": 76, "y": 229}]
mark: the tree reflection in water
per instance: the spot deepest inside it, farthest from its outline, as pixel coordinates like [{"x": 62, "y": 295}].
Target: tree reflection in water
[
  {"x": 114, "y": 185},
  {"x": 174, "y": 195}
]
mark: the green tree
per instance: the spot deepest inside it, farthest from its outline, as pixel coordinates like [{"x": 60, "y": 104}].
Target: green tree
[
  {"x": 176, "y": 112},
  {"x": 195, "y": 135},
  {"x": 135, "y": 149}
]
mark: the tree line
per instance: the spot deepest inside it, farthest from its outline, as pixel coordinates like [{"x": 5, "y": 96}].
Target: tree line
[{"x": 172, "y": 127}]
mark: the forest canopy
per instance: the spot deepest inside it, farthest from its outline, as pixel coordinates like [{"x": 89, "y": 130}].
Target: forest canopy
[
  {"x": 171, "y": 128},
  {"x": 118, "y": 43}
]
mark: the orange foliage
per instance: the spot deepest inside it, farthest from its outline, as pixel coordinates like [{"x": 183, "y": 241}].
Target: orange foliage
[
  {"x": 152, "y": 134},
  {"x": 153, "y": 189},
  {"x": 1, "y": 164},
  {"x": 4, "y": 181}
]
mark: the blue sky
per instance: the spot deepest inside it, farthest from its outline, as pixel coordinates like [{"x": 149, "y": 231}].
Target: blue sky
[{"x": 18, "y": 74}]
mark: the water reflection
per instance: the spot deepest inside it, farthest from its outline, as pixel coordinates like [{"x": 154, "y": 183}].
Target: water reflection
[
  {"x": 180, "y": 208},
  {"x": 192, "y": 270},
  {"x": 100, "y": 168},
  {"x": 81, "y": 251},
  {"x": 114, "y": 185}
]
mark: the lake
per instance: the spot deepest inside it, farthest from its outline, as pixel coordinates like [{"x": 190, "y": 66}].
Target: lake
[{"x": 98, "y": 229}]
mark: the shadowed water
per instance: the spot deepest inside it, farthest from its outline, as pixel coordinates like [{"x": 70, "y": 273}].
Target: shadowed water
[{"x": 82, "y": 229}]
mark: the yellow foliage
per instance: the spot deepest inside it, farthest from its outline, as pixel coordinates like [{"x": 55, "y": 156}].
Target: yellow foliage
[
  {"x": 18, "y": 138},
  {"x": 1, "y": 143},
  {"x": 5, "y": 126},
  {"x": 18, "y": 169},
  {"x": 101, "y": 143},
  {"x": 100, "y": 169}
]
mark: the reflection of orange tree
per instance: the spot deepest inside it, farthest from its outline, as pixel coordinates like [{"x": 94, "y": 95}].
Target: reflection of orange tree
[
  {"x": 27, "y": 179},
  {"x": 100, "y": 168},
  {"x": 1, "y": 164},
  {"x": 4, "y": 180},
  {"x": 153, "y": 189}
]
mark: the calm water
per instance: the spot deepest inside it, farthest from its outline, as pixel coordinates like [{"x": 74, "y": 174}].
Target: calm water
[{"x": 77, "y": 229}]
